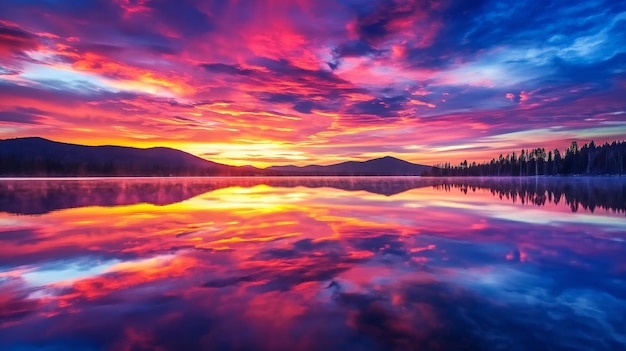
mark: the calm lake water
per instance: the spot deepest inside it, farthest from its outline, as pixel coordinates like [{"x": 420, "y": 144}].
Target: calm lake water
[{"x": 313, "y": 264}]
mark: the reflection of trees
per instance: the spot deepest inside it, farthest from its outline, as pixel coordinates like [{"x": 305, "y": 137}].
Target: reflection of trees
[
  {"x": 42, "y": 196},
  {"x": 589, "y": 194}
]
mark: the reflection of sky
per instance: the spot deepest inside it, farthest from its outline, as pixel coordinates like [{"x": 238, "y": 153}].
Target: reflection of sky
[
  {"x": 65, "y": 272},
  {"x": 534, "y": 216},
  {"x": 302, "y": 268}
]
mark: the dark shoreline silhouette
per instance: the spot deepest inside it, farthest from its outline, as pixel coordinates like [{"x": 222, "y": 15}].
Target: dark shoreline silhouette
[
  {"x": 38, "y": 157},
  {"x": 45, "y": 195}
]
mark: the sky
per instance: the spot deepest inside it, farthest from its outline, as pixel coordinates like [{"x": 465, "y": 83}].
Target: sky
[{"x": 315, "y": 82}]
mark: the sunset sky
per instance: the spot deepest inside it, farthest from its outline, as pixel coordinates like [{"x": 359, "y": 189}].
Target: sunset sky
[{"x": 304, "y": 81}]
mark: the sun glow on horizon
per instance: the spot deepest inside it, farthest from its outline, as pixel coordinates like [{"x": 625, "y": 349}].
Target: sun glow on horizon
[{"x": 276, "y": 89}]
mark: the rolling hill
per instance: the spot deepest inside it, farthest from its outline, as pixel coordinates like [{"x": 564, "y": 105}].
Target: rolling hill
[
  {"x": 42, "y": 157},
  {"x": 384, "y": 166},
  {"x": 34, "y": 156}
]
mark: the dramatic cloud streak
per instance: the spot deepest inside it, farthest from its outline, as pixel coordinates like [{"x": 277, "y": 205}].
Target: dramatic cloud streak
[{"x": 314, "y": 81}]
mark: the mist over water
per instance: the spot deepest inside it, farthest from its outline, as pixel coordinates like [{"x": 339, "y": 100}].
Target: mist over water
[{"x": 320, "y": 263}]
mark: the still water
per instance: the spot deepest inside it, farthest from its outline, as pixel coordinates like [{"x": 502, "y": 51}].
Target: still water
[{"x": 313, "y": 264}]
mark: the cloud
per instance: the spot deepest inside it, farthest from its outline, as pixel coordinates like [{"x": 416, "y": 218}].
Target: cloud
[
  {"x": 319, "y": 80},
  {"x": 21, "y": 115},
  {"x": 226, "y": 69},
  {"x": 183, "y": 17},
  {"x": 385, "y": 19},
  {"x": 381, "y": 107},
  {"x": 14, "y": 40},
  {"x": 354, "y": 48}
]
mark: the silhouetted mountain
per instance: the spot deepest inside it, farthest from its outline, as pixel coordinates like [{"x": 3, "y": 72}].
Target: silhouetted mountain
[
  {"x": 42, "y": 157},
  {"x": 385, "y": 166}
]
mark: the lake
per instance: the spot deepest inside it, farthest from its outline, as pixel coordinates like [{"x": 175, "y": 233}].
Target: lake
[{"x": 313, "y": 264}]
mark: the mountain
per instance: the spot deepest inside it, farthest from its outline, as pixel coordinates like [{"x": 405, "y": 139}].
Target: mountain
[
  {"x": 43, "y": 157},
  {"x": 384, "y": 166}
]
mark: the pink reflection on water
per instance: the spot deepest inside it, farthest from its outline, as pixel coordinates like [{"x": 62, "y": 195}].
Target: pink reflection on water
[{"x": 299, "y": 267}]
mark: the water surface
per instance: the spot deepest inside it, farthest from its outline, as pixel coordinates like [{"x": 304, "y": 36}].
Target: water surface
[{"x": 313, "y": 264}]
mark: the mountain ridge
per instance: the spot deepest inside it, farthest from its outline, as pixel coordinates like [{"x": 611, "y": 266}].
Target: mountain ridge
[
  {"x": 40, "y": 156},
  {"x": 387, "y": 165},
  {"x": 36, "y": 156}
]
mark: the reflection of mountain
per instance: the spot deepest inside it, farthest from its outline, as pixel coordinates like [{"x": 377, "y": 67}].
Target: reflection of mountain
[
  {"x": 42, "y": 196},
  {"x": 377, "y": 185},
  {"x": 587, "y": 193},
  {"x": 38, "y": 197}
]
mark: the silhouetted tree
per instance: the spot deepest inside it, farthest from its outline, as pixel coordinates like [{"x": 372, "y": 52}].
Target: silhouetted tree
[{"x": 588, "y": 159}]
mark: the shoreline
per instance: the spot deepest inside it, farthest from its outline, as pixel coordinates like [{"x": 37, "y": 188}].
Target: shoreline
[{"x": 576, "y": 176}]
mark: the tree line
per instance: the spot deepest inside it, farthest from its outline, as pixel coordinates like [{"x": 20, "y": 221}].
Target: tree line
[
  {"x": 576, "y": 193},
  {"x": 609, "y": 159}
]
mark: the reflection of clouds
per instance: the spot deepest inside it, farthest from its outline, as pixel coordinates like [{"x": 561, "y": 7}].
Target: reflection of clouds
[
  {"x": 43, "y": 196},
  {"x": 66, "y": 272},
  {"x": 506, "y": 283},
  {"x": 476, "y": 320},
  {"x": 323, "y": 270},
  {"x": 590, "y": 304},
  {"x": 533, "y": 216}
]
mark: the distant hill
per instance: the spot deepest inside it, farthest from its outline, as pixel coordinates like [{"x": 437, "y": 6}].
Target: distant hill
[
  {"x": 43, "y": 157},
  {"x": 28, "y": 157},
  {"x": 384, "y": 166}
]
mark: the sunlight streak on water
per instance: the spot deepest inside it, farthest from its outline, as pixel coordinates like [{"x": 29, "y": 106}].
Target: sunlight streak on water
[{"x": 311, "y": 264}]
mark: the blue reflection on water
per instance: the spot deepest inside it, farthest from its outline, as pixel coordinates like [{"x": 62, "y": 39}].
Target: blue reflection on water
[{"x": 347, "y": 264}]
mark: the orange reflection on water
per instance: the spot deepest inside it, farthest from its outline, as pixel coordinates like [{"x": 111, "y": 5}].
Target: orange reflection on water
[{"x": 304, "y": 266}]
